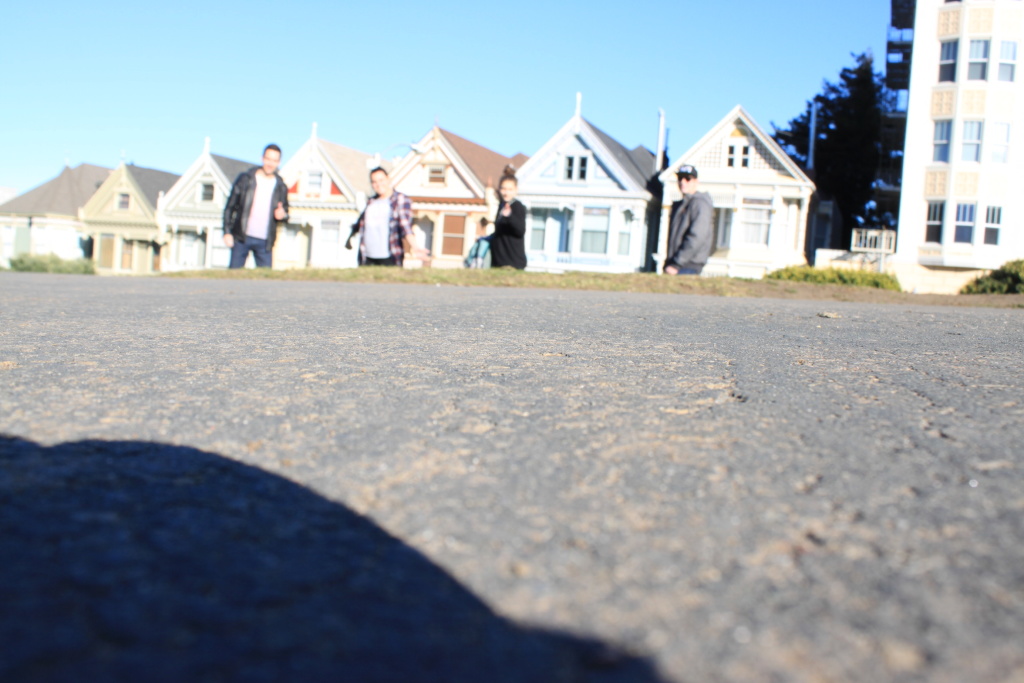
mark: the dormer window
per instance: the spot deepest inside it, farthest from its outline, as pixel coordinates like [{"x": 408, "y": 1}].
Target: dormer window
[
  {"x": 207, "y": 192},
  {"x": 314, "y": 180},
  {"x": 124, "y": 201},
  {"x": 436, "y": 174},
  {"x": 576, "y": 168},
  {"x": 739, "y": 156}
]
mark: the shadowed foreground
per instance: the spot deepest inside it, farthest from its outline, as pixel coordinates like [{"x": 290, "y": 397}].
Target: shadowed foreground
[{"x": 131, "y": 561}]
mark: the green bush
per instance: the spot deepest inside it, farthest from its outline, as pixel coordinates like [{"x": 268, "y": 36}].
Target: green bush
[
  {"x": 1008, "y": 279},
  {"x": 836, "y": 276},
  {"x": 51, "y": 263}
]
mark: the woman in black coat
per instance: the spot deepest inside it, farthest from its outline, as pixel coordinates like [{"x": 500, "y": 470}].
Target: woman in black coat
[{"x": 508, "y": 247}]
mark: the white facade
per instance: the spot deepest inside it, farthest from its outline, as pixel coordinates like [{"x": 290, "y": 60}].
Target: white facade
[
  {"x": 190, "y": 214},
  {"x": 761, "y": 199},
  {"x": 961, "y": 205},
  {"x": 586, "y": 201}
]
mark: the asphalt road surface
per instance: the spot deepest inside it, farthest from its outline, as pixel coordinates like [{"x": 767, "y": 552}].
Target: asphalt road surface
[{"x": 261, "y": 481}]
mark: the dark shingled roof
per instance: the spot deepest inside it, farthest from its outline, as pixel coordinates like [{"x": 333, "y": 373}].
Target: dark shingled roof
[
  {"x": 232, "y": 168},
  {"x": 635, "y": 163},
  {"x": 151, "y": 181},
  {"x": 62, "y": 196}
]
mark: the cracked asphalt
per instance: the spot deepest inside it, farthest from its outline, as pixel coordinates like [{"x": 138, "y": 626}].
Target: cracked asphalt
[{"x": 259, "y": 480}]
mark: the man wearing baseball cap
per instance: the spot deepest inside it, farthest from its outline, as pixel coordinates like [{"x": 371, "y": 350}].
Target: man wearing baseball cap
[{"x": 690, "y": 232}]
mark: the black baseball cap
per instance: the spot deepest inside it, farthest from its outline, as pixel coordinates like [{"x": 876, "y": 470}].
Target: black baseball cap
[{"x": 686, "y": 170}]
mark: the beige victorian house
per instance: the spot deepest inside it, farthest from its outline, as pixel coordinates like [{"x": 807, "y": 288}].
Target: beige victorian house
[
  {"x": 451, "y": 182},
  {"x": 761, "y": 199},
  {"x": 121, "y": 220}
]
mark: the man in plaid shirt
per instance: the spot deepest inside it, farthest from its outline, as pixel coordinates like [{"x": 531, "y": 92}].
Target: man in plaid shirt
[{"x": 385, "y": 226}]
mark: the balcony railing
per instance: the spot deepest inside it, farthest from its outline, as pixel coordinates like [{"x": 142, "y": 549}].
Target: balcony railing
[{"x": 874, "y": 240}]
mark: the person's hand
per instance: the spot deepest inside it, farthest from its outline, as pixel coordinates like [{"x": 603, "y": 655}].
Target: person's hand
[
  {"x": 229, "y": 240},
  {"x": 671, "y": 270},
  {"x": 279, "y": 213},
  {"x": 348, "y": 243}
]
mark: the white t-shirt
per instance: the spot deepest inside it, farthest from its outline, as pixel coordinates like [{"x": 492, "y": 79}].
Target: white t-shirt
[
  {"x": 376, "y": 230},
  {"x": 259, "y": 215}
]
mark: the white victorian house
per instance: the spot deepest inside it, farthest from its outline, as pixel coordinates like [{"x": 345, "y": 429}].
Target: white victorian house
[
  {"x": 761, "y": 199},
  {"x": 190, "y": 214},
  {"x": 328, "y": 186},
  {"x": 587, "y": 199},
  {"x": 450, "y": 182}
]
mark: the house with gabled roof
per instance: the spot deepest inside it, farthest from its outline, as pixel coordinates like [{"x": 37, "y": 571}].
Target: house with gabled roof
[
  {"x": 450, "y": 181},
  {"x": 45, "y": 220},
  {"x": 121, "y": 220},
  {"x": 587, "y": 200},
  {"x": 328, "y": 186},
  {"x": 761, "y": 199},
  {"x": 190, "y": 214}
]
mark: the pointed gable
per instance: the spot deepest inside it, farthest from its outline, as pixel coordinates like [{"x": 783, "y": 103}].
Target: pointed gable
[
  {"x": 324, "y": 172},
  {"x": 139, "y": 187},
  {"x": 598, "y": 163},
  {"x": 738, "y": 143},
  {"x": 62, "y": 196}
]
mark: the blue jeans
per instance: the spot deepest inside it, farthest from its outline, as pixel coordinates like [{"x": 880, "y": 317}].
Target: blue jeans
[{"x": 242, "y": 247}]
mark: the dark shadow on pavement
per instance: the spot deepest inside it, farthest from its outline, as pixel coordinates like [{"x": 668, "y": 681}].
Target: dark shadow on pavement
[{"x": 134, "y": 561}]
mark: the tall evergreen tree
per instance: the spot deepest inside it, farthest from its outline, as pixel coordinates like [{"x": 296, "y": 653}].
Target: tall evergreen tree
[{"x": 848, "y": 139}]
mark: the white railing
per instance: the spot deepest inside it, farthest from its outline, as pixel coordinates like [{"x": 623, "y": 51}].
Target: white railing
[{"x": 874, "y": 240}]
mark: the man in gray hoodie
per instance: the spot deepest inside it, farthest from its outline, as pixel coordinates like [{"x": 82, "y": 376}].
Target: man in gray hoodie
[{"x": 690, "y": 230}]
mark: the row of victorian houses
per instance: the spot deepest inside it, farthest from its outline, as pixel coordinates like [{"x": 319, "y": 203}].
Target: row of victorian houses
[{"x": 593, "y": 204}]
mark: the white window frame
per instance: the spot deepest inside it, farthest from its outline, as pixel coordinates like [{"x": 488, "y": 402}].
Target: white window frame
[
  {"x": 437, "y": 174},
  {"x": 738, "y": 150},
  {"x": 202, "y": 192},
  {"x": 966, "y": 218},
  {"x": 588, "y": 232},
  {"x": 124, "y": 201},
  {"x": 316, "y": 187},
  {"x": 1007, "y": 61},
  {"x": 993, "y": 223},
  {"x": 755, "y": 215},
  {"x": 933, "y": 221},
  {"x": 970, "y": 145},
  {"x": 977, "y": 60},
  {"x": 947, "y": 62},
  {"x": 941, "y": 140},
  {"x": 577, "y": 168}
]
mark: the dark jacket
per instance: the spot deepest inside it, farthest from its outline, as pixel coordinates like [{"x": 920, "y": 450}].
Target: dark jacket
[
  {"x": 239, "y": 204},
  {"x": 508, "y": 248},
  {"x": 690, "y": 231}
]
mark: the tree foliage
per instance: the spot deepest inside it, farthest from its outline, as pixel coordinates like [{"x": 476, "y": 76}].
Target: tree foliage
[
  {"x": 848, "y": 139},
  {"x": 1008, "y": 279}
]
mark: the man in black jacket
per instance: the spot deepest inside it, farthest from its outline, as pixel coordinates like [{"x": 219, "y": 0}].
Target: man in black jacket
[{"x": 258, "y": 201}]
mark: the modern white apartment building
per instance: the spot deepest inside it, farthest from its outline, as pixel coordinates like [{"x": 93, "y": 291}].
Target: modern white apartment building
[{"x": 962, "y": 202}]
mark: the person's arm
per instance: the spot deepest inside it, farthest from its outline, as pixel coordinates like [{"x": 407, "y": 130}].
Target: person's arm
[
  {"x": 404, "y": 211},
  {"x": 231, "y": 210},
  {"x": 514, "y": 223},
  {"x": 281, "y": 211}
]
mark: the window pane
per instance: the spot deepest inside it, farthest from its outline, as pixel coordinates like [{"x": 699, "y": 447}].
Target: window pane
[
  {"x": 1008, "y": 51},
  {"x": 583, "y": 168},
  {"x": 977, "y": 71},
  {"x": 594, "y": 239},
  {"x": 623, "y": 244},
  {"x": 569, "y": 164},
  {"x": 1006, "y": 72},
  {"x": 979, "y": 49},
  {"x": 991, "y": 235},
  {"x": 538, "y": 221},
  {"x": 964, "y": 234}
]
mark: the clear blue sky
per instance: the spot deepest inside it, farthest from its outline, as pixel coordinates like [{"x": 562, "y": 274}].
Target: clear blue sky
[{"x": 86, "y": 82}]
